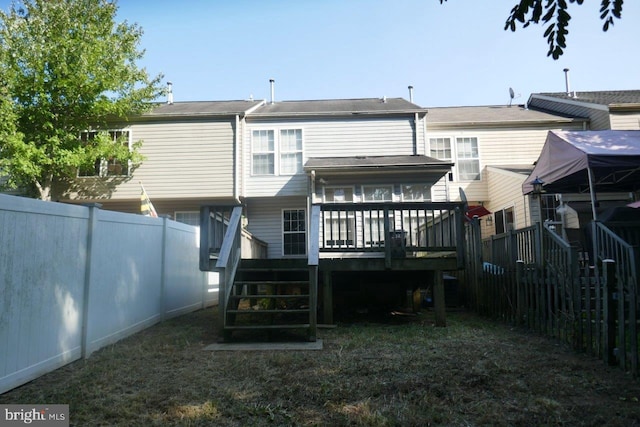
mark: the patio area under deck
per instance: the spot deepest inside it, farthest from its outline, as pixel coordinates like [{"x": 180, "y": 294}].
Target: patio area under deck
[{"x": 388, "y": 237}]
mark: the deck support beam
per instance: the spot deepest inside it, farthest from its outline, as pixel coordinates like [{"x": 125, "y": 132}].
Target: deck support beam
[
  {"x": 438, "y": 298},
  {"x": 327, "y": 297}
]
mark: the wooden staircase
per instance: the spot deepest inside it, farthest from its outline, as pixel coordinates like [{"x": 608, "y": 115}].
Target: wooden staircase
[{"x": 270, "y": 299}]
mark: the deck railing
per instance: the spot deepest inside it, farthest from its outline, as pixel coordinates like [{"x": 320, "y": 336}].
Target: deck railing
[{"x": 396, "y": 229}]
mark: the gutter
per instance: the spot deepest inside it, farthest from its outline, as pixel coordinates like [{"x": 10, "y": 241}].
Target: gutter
[{"x": 241, "y": 120}]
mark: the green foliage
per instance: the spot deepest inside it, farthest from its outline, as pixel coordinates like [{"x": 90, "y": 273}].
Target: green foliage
[
  {"x": 67, "y": 67},
  {"x": 555, "y": 14}
]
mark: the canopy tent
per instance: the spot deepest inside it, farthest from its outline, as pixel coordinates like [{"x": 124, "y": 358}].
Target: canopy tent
[{"x": 584, "y": 161}]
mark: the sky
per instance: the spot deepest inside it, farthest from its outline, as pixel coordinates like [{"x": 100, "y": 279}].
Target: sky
[{"x": 454, "y": 54}]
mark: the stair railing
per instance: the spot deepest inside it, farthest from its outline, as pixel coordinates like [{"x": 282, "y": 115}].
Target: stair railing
[
  {"x": 228, "y": 261},
  {"x": 313, "y": 262}
]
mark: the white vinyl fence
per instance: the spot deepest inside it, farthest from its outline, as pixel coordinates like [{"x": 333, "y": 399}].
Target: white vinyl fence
[{"x": 74, "y": 279}]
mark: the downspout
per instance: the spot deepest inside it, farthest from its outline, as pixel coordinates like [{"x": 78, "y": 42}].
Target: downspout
[
  {"x": 416, "y": 122},
  {"x": 238, "y": 168}
]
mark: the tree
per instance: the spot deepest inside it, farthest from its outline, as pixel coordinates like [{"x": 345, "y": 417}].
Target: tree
[
  {"x": 555, "y": 13},
  {"x": 67, "y": 68}
]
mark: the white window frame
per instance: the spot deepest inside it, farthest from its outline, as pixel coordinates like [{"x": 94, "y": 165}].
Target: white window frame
[
  {"x": 102, "y": 164},
  {"x": 278, "y": 151},
  {"x": 368, "y": 186},
  {"x": 261, "y": 152},
  {"x": 426, "y": 195},
  {"x": 285, "y": 152},
  {"x": 338, "y": 187},
  {"x": 438, "y": 150},
  {"x": 453, "y": 141},
  {"x": 304, "y": 232},
  {"x": 469, "y": 157}
]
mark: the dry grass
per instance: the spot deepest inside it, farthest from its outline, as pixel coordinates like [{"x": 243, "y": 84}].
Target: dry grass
[{"x": 382, "y": 372}]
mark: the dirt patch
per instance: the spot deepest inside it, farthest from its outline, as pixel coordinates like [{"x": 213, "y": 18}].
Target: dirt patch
[{"x": 383, "y": 371}]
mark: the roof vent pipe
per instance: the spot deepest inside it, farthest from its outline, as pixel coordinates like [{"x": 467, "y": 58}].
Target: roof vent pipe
[
  {"x": 411, "y": 94},
  {"x": 169, "y": 93},
  {"x": 566, "y": 81},
  {"x": 273, "y": 92}
]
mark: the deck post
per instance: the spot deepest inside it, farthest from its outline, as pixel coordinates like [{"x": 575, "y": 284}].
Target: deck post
[
  {"x": 313, "y": 302},
  {"x": 519, "y": 292},
  {"x": 327, "y": 297},
  {"x": 438, "y": 298}
]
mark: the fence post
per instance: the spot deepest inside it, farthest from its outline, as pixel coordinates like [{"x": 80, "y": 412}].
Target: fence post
[
  {"x": 519, "y": 292},
  {"x": 94, "y": 209},
  {"x": 163, "y": 269},
  {"x": 610, "y": 311}
]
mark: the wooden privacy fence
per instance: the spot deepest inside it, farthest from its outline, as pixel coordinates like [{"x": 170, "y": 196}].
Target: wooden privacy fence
[
  {"x": 74, "y": 279},
  {"x": 532, "y": 277}
]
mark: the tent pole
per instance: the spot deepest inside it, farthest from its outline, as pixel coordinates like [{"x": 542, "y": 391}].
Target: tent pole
[{"x": 592, "y": 192}]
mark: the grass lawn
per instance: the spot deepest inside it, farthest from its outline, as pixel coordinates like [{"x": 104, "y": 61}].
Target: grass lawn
[{"x": 387, "y": 371}]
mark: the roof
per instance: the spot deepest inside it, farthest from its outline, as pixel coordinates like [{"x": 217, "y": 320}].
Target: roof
[
  {"x": 611, "y": 157},
  {"x": 339, "y": 107},
  {"x": 493, "y": 114},
  {"x": 604, "y": 97},
  {"x": 373, "y": 162},
  {"x": 202, "y": 108},
  {"x": 522, "y": 169}
]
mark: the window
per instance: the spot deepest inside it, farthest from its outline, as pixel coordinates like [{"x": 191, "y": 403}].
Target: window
[
  {"x": 468, "y": 161},
  {"x": 416, "y": 192},
  {"x": 339, "y": 229},
  {"x": 103, "y": 167},
  {"x": 465, "y": 154},
  {"x": 440, "y": 148},
  {"x": 276, "y": 152},
  {"x": 262, "y": 147},
  {"x": 504, "y": 220},
  {"x": 377, "y": 193},
  {"x": 338, "y": 194},
  {"x": 374, "y": 229},
  {"x": 290, "y": 151},
  {"x": 294, "y": 241}
]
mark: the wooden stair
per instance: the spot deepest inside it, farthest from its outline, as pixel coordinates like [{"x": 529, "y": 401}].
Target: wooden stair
[{"x": 268, "y": 298}]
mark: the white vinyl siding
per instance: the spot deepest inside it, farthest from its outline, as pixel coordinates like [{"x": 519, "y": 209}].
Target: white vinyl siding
[
  {"x": 264, "y": 217},
  {"x": 182, "y": 159},
  {"x": 326, "y": 137},
  {"x": 625, "y": 121},
  {"x": 505, "y": 191},
  {"x": 497, "y": 146}
]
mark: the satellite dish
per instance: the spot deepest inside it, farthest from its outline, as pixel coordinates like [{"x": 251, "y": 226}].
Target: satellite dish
[{"x": 512, "y": 95}]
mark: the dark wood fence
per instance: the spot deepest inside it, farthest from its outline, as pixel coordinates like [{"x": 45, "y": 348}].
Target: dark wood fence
[{"x": 533, "y": 278}]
